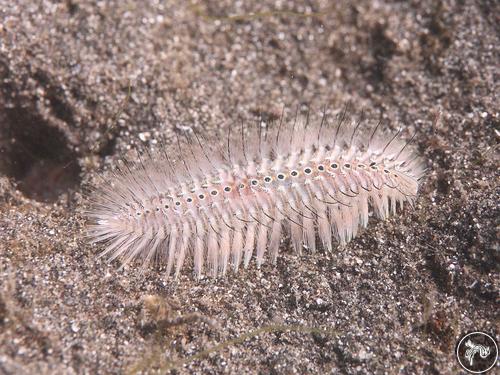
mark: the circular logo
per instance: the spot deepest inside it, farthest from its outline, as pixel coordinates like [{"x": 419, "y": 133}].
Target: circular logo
[{"x": 477, "y": 352}]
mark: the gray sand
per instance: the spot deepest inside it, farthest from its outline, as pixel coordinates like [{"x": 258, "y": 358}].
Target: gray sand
[{"x": 395, "y": 300}]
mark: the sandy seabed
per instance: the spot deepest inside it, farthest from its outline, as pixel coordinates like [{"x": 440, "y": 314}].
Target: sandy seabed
[{"x": 82, "y": 81}]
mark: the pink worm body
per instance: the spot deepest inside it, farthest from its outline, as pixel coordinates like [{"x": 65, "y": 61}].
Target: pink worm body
[{"x": 222, "y": 207}]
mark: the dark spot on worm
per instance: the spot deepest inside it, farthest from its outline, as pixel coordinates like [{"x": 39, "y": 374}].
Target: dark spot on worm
[
  {"x": 177, "y": 203},
  {"x": 334, "y": 165},
  {"x": 214, "y": 192},
  {"x": 321, "y": 168},
  {"x": 347, "y": 165},
  {"x": 294, "y": 173},
  {"x": 281, "y": 176},
  {"x": 189, "y": 200},
  {"x": 307, "y": 170},
  {"x": 242, "y": 186},
  {"x": 255, "y": 182},
  {"x": 227, "y": 189},
  {"x": 201, "y": 196},
  {"x": 267, "y": 179}
]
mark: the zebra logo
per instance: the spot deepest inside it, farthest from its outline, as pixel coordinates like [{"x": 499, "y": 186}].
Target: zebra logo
[{"x": 477, "y": 352}]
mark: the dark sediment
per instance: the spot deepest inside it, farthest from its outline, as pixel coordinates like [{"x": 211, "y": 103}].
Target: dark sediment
[{"x": 80, "y": 82}]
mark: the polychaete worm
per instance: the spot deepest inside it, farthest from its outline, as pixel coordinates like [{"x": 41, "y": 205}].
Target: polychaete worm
[{"x": 222, "y": 203}]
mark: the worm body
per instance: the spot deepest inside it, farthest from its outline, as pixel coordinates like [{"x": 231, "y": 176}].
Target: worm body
[{"x": 224, "y": 203}]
